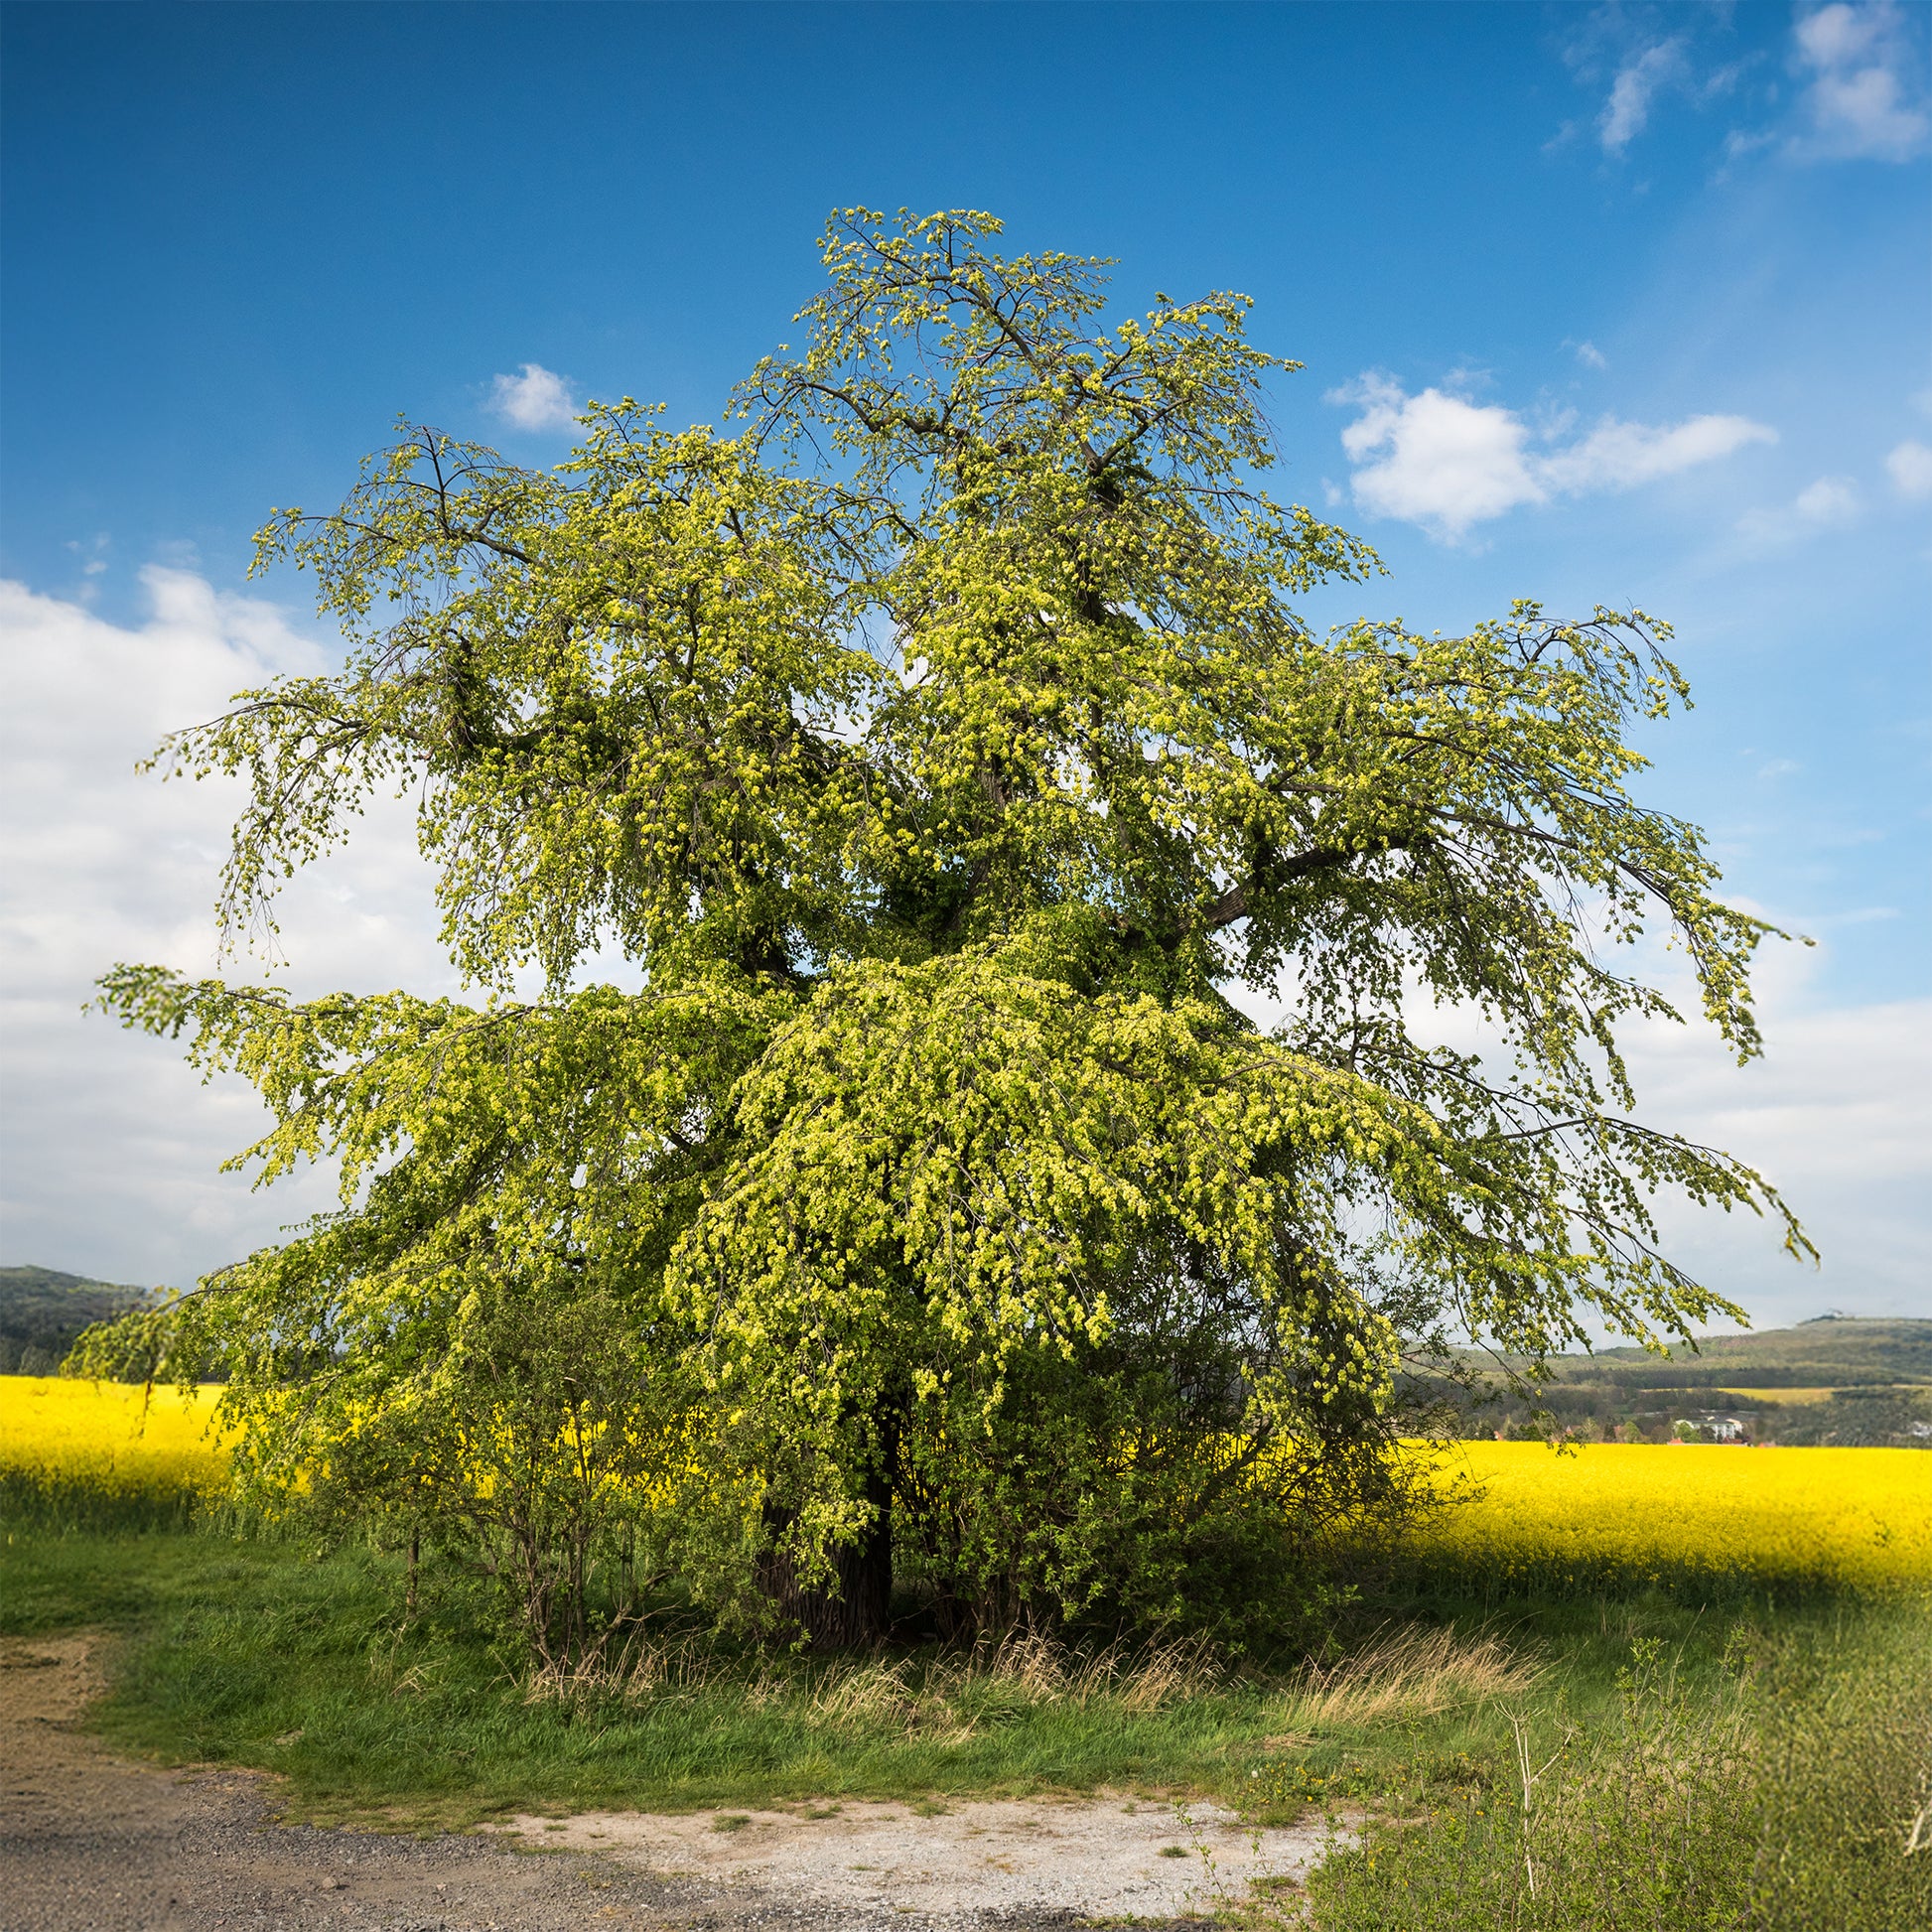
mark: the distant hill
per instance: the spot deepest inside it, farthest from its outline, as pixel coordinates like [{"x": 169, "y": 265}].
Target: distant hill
[
  {"x": 1839, "y": 1380},
  {"x": 42, "y": 1312},
  {"x": 1834, "y": 1351}
]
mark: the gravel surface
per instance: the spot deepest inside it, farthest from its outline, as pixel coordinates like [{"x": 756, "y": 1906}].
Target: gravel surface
[
  {"x": 93, "y": 1842},
  {"x": 1106, "y": 1857}
]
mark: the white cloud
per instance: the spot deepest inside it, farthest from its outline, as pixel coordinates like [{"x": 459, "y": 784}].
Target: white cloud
[
  {"x": 536, "y": 400},
  {"x": 1446, "y": 463},
  {"x": 1910, "y": 468},
  {"x": 108, "y": 1145},
  {"x": 1830, "y": 502},
  {"x": 1590, "y": 357},
  {"x": 1742, "y": 143},
  {"x": 1831, "y": 499},
  {"x": 1840, "y": 36},
  {"x": 1617, "y": 55},
  {"x": 1865, "y": 98},
  {"x": 1620, "y": 456},
  {"x": 1637, "y": 80},
  {"x": 1837, "y": 1116},
  {"x": 1436, "y": 458}
]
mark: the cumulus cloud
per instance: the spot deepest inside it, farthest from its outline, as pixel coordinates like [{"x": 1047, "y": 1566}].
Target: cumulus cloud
[
  {"x": 536, "y": 400},
  {"x": 1620, "y": 456},
  {"x": 1866, "y": 95},
  {"x": 1910, "y": 468},
  {"x": 109, "y": 1145},
  {"x": 1590, "y": 357},
  {"x": 1438, "y": 460},
  {"x": 1637, "y": 82}
]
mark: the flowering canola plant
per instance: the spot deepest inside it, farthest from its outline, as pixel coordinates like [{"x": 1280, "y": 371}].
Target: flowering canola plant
[
  {"x": 1683, "y": 1512},
  {"x": 107, "y": 1440}
]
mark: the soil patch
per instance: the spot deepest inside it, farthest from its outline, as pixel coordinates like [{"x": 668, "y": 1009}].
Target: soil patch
[{"x": 92, "y": 1841}]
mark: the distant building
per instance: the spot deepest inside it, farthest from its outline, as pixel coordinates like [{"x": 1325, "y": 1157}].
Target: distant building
[{"x": 1710, "y": 1429}]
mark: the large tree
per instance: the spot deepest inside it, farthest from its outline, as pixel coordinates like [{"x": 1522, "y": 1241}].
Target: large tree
[{"x": 942, "y": 754}]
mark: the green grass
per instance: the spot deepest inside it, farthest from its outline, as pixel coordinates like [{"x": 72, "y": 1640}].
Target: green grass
[
  {"x": 250, "y": 1653},
  {"x": 1752, "y": 1766},
  {"x": 1781, "y": 1793}
]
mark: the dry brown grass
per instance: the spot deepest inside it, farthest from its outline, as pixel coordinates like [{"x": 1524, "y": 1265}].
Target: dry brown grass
[
  {"x": 1406, "y": 1674},
  {"x": 866, "y": 1694},
  {"x": 1145, "y": 1679},
  {"x": 640, "y": 1669},
  {"x": 951, "y": 1693},
  {"x": 1023, "y": 1670},
  {"x": 1410, "y": 1673}
]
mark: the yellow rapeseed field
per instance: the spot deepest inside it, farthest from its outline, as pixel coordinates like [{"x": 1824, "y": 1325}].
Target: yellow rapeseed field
[
  {"x": 106, "y": 1441},
  {"x": 1606, "y": 1514},
  {"x": 1636, "y": 1512}
]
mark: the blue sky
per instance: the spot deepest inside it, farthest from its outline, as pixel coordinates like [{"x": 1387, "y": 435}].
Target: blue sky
[{"x": 1625, "y": 304}]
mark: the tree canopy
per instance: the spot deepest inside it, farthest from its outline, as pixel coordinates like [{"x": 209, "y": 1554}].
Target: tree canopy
[{"x": 939, "y": 748}]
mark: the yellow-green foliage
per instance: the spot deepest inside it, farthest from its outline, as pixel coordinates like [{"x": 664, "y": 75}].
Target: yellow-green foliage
[
  {"x": 1684, "y": 1513},
  {"x": 87, "y": 1450}
]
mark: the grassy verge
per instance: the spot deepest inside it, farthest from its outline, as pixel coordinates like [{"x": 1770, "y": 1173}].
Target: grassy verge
[
  {"x": 251, "y": 1652},
  {"x": 1787, "y": 1789}
]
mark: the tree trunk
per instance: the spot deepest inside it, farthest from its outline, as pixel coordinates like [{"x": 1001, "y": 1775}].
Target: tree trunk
[{"x": 854, "y": 1611}]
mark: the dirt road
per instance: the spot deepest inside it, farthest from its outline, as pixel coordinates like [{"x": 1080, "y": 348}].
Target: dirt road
[{"x": 93, "y": 1842}]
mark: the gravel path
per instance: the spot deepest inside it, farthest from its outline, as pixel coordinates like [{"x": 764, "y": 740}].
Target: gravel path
[
  {"x": 93, "y": 1842},
  {"x": 1104, "y": 1857}
]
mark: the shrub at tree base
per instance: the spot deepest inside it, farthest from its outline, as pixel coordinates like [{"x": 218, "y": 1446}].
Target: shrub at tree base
[{"x": 936, "y": 752}]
